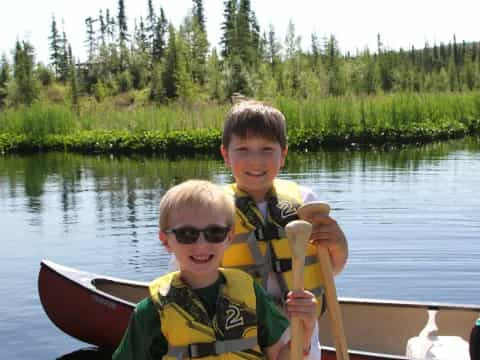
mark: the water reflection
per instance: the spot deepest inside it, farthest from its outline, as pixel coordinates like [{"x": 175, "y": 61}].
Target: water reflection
[{"x": 411, "y": 216}]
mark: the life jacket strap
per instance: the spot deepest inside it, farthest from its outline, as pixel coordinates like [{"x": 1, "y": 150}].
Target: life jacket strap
[
  {"x": 199, "y": 350},
  {"x": 283, "y": 265}
]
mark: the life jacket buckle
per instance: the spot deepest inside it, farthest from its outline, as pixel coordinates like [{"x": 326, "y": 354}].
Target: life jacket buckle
[{"x": 202, "y": 350}]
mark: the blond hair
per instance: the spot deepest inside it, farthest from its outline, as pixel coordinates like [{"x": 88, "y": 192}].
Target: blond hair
[
  {"x": 254, "y": 118},
  {"x": 196, "y": 194}
]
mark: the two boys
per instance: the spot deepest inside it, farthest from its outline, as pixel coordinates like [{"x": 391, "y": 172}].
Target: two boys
[{"x": 254, "y": 146}]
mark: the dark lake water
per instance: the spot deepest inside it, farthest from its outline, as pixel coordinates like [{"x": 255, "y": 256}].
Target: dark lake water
[{"x": 412, "y": 217}]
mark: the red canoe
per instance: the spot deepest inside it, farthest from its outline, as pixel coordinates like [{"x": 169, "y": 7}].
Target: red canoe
[{"x": 96, "y": 309}]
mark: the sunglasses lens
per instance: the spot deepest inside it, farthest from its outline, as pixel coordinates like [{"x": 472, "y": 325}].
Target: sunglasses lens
[
  {"x": 187, "y": 235},
  {"x": 215, "y": 234}
]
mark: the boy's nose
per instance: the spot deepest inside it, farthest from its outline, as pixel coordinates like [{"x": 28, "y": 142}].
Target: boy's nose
[{"x": 201, "y": 239}]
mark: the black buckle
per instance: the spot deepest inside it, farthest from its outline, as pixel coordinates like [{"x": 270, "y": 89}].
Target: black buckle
[
  {"x": 282, "y": 265},
  {"x": 201, "y": 350}
]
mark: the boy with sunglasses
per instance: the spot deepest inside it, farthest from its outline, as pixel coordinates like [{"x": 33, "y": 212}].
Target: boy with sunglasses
[
  {"x": 202, "y": 311},
  {"x": 254, "y": 146}
]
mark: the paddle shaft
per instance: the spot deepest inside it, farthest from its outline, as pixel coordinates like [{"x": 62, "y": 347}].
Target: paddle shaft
[
  {"x": 334, "y": 312},
  {"x": 298, "y": 233},
  {"x": 308, "y": 212}
]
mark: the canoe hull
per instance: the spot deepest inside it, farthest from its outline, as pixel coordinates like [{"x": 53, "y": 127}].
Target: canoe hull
[
  {"x": 80, "y": 311},
  {"x": 96, "y": 309}
]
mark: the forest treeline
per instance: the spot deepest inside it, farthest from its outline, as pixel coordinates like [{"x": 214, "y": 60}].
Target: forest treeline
[
  {"x": 165, "y": 63},
  {"x": 161, "y": 89}
]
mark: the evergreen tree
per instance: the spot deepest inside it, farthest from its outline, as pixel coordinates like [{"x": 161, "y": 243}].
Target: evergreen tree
[
  {"x": 4, "y": 78},
  {"x": 244, "y": 36},
  {"x": 151, "y": 22},
  {"x": 169, "y": 76},
  {"x": 140, "y": 58},
  {"x": 336, "y": 80},
  {"x": 110, "y": 26},
  {"x": 122, "y": 24},
  {"x": 185, "y": 86},
  {"x": 103, "y": 29},
  {"x": 158, "y": 45},
  {"x": 26, "y": 86},
  {"x": 257, "y": 49},
  {"x": 55, "y": 47},
  {"x": 4, "y": 71},
  {"x": 65, "y": 59},
  {"x": 229, "y": 26},
  {"x": 214, "y": 75},
  {"x": 199, "y": 15},
  {"x": 196, "y": 48},
  {"x": 91, "y": 41},
  {"x": 273, "y": 48},
  {"x": 292, "y": 60},
  {"x": 73, "y": 82},
  {"x": 140, "y": 35}
]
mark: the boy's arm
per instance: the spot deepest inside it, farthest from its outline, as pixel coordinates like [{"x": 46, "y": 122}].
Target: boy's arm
[
  {"x": 143, "y": 336},
  {"x": 327, "y": 232},
  {"x": 274, "y": 331}
]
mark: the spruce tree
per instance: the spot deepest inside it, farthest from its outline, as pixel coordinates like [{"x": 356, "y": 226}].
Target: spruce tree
[
  {"x": 158, "y": 45},
  {"x": 4, "y": 78},
  {"x": 103, "y": 29},
  {"x": 214, "y": 75},
  {"x": 273, "y": 48},
  {"x": 169, "y": 76},
  {"x": 228, "y": 27},
  {"x": 196, "y": 47},
  {"x": 90, "y": 41},
  {"x": 27, "y": 89},
  {"x": 199, "y": 15},
  {"x": 55, "y": 47},
  {"x": 73, "y": 81},
  {"x": 122, "y": 24},
  {"x": 151, "y": 22},
  {"x": 64, "y": 65}
]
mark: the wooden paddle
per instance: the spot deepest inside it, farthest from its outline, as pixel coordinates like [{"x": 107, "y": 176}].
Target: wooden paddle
[
  {"x": 307, "y": 212},
  {"x": 298, "y": 234}
]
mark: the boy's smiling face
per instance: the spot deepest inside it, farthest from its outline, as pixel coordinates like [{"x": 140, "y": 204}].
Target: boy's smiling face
[
  {"x": 199, "y": 261},
  {"x": 255, "y": 162}
]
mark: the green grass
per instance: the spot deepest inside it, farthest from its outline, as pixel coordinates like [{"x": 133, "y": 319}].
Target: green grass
[{"x": 196, "y": 127}]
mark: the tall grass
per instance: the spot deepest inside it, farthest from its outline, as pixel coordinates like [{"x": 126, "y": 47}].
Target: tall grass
[
  {"x": 39, "y": 119},
  {"x": 312, "y": 122},
  {"x": 106, "y": 116}
]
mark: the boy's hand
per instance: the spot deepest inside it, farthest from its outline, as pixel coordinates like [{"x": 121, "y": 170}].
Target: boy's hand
[
  {"x": 303, "y": 305},
  {"x": 326, "y": 232}
]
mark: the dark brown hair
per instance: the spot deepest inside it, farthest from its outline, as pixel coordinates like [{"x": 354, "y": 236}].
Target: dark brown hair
[{"x": 254, "y": 118}]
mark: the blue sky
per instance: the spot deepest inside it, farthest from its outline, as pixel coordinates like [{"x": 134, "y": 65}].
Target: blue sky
[{"x": 355, "y": 24}]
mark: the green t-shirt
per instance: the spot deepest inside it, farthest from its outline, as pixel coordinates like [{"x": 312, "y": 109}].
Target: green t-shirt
[{"x": 144, "y": 340}]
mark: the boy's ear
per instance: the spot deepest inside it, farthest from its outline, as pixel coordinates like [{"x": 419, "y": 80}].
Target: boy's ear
[
  {"x": 164, "y": 240},
  {"x": 231, "y": 235},
  {"x": 224, "y": 153}
]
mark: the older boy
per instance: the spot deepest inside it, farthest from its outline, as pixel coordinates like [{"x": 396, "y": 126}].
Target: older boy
[
  {"x": 202, "y": 311},
  {"x": 254, "y": 146}
]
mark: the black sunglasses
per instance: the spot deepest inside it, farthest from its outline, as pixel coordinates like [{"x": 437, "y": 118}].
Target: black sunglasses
[{"x": 188, "y": 234}]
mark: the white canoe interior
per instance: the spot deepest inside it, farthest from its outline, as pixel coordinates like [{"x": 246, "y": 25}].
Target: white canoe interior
[{"x": 385, "y": 326}]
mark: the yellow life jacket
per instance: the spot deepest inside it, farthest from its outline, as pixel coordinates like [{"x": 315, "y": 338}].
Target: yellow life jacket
[
  {"x": 260, "y": 245},
  {"x": 191, "y": 333}
]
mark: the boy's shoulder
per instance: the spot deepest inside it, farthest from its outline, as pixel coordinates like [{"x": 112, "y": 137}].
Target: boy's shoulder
[{"x": 146, "y": 313}]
